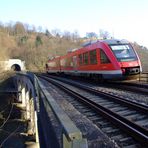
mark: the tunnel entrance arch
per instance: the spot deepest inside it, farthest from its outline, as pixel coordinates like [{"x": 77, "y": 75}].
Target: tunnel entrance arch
[
  {"x": 13, "y": 64},
  {"x": 16, "y": 67}
]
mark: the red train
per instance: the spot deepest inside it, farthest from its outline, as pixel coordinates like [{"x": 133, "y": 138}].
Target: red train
[{"x": 103, "y": 59}]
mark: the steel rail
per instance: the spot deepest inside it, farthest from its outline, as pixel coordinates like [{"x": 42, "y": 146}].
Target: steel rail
[
  {"x": 138, "y": 85},
  {"x": 132, "y": 88},
  {"x": 136, "y": 131},
  {"x": 131, "y": 104}
]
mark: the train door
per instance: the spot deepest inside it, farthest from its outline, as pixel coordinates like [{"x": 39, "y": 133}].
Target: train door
[
  {"x": 104, "y": 61},
  {"x": 75, "y": 63}
]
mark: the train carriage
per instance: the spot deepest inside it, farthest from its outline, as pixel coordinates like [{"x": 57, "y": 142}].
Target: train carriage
[{"x": 105, "y": 59}]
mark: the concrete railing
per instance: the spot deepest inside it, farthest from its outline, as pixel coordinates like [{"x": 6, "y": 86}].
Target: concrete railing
[
  {"x": 27, "y": 99},
  {"x": 39, "y": 106},
  {"x": 71, "y": 136}
]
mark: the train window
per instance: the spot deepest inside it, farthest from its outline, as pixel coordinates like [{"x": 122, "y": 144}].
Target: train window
[
  {"x": 85, "y": 55},
  {"x": 103, "y": 57},
  {"x": 124, "y": 52},
  {"x": 80, "y": 59},
  {"x": 93, "y": 57}
]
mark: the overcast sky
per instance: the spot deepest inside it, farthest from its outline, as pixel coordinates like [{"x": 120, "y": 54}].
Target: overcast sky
[{"x": 123, "y": 19}]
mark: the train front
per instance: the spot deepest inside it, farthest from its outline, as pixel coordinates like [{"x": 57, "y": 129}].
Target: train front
[{"x": 127, "y": 58}]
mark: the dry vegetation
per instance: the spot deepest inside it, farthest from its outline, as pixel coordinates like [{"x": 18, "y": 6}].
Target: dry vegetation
[
  {"x": 35, "y": 45},
  {"x": 143, "y": 54}
]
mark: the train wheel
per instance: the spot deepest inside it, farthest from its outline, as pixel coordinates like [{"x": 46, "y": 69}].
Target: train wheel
[{"x": 99, "y": 78}]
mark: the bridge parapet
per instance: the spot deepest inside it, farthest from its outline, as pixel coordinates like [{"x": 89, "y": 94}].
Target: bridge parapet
[
  {"x": 71, "y": 136},
  {"x": 27, "y": 99},
  {"x": 40, "y": 106}
]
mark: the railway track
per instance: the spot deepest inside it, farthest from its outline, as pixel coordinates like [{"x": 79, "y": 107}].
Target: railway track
[
  {"x": 109, "y": 112},
  {"x": 137, "y": 92},
  {"x": 132, "y": 87},
  {"x": 135, "y": 87},
  {"x": 138, "y": 88},
  {"x": 136, "y": 84}
]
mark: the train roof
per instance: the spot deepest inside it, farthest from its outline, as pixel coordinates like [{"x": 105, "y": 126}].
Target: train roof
[
  {"x": 115, "y": 41},
  {"x": 108, "y": 41}
]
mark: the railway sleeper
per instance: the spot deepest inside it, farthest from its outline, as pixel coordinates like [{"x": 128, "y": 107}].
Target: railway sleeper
[
  {"x": 91, "y": 114},
  {"x": 95, "y": 98},
  {"x": 108, "y": 104},
  {"x": 118, "y": 136},
  {"x": 137, "y": 117},
  {"x": 127, "y": 141},
  {"x": 78, "y": 106},
  {"x": 102, "y": 124},
  {"x": 109, "y": 129},
  {"x": 132, "y": 146},
  {"x": 143, "y": 122},
  {"x": 95, "y": 119},
  {"x": 118, "y": 109},
  {"x": 127, "y": 112},
  {"x": 112, "y": 132},
  {"x": 103, "y": 102},
  {"x": 85, "y": 111}
]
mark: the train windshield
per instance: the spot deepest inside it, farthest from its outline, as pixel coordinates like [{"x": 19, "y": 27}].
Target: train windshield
[{"x": 124, "y": 52}]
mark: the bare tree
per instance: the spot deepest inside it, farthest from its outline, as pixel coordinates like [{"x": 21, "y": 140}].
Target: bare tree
[
  {"x": 19, "y": 29},
  {"x": 9, "y": 28},
  {"x": 27, "y": 27},
  {"x": 91, "y": 35},
  {"x": 75, "y": 36},
  {"x": 67, "y": 35},
  {"x": 40, "y": 29},
  {"x": 56, "y": 32},
  {"x": 104, "y": 34},
  {"x": 32, "y": 29},
  {"x": 47, "y": 33}
]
